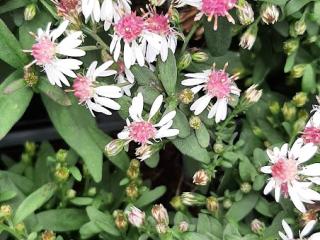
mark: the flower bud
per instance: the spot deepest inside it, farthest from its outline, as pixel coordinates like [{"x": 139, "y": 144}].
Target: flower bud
[
  {"x": 161, "y": 228},
  {"x": 184, "y": 61},
  {"x": 132, "y": 191},
  {"x": 249, "y": 37},
  {"x": 300, "y": 27},
  {"x": 61, "y": 155},
  {"x": 144, "y": 152},
  {"x": 26, "y": 158},
  {"x": 160, "y": 214},
  {"x": 218, "y": 148},
  {"x": 176, "y": 203},
  {"x": 175, "y": 16},
  {"x": 62, "y": 174},
  {"x": 5, "y": 211},
  {"x": 195, "y": 122},
  {"x": 245, "y": 13},
  {"x": 92, "y": 192},
  {"x": 30, "y": 77},
  {"x": 183, "y": 226},
  {"x": 30, "y": 11},
  {"x": 157, "y": 3},
  {"x": 114, "y": 147},
  {"x": 227, "y": 203},
  {"x": 299, "y": 125},
  {"x": 136, "y": 217},
  {"x": 30, "y": 148},
  {"x": 48, "y": 235},
  {"x": 120, "y": 220},
  {"x": 71, "y": 193},
  {"x": 269, "y": 13},
  {"x": 212, "y": 204},
  {"x": 289, "y": 111},
  {"x": 274, "y": 107},
  {"x": 290, "y": 46},
  {"x": 245, "y": 187},
  {"x": 186, "y": 96},
  {"x": 252, "y": 95},
  {"x": 200, "y": 57},
  {"x": 133, "y": 173},
  {"x": 257, "y": 131},
  {"x": 201, "y": 178},
  {"x": 257, "y": 226},
  {"x": 193, "y": 199},
  {"x": 297, "y": 71},
  {"x": 300, "y": 99},
  {"x": 134, "y": 163},
  {"x": 20, "y": 228}
]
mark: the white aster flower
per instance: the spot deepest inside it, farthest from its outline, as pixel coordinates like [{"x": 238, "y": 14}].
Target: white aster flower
[
  {"x": 95, "y": 96},
  {"x": 91, "y": 8},
  {"x": 311, "y": 133},
  {"x": 129, "y": 30},
  {"x": 144, "y": 131},
  {"x": 216, "y": 84},
  {"x": 302, "y": 236},
  {"x": 211, "y": 9},
  {"x": 46, "y": 51},
  {"x": 290, "y": 177},
  {"x": 112, "y": 10}
]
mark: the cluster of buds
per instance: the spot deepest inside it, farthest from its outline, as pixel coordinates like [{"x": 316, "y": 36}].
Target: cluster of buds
[
  {"x": 245, "y": 13},
  {"x": 120, "y": 220},
  {"x": 48, "y": 235},
  {"x": 269, "y": 13},
  {"x": 298, "y": 28},
  {"x": 290, "y": 46},
  {"x": 252, "y": 95},
  {"x": 201, "y": 178},
  {"x": 61, "y": 172},
  {"x": 132, "y": 191},
  {"x": 5, "y": 211},
  {"x": 30, "y": 12},
  {"x": 133, "y": 171},
  {"x": 195, "y": 122},
  {"x": 136, "y": 217},
  {"x": 193, "y": 199},
  {"x": 212, "y": 204},
  {"x": 186, "y": 96},
  {"x": 245, "y": 187},
  {"x": 29, "y": 76},
  {"x": 297, "y": 70},
  {"x": 184, "y": 61},
  {"x": 114, "y": 147},
  {"x": 248, "y": 38},
  {"x": 257, "y": 227},
  {"x": 69, "y": 10},
  {"x": 161, "y": 216}
]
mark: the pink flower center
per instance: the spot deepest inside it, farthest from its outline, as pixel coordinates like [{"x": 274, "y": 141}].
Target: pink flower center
[
  {"x": 66, "y": 6},
  {"x": 217, "y": 7},
  {"x": 129, "y": 27},
  {"x": 43, "y": 51},
  {"x": 141, "y": 132},
  {"x": 158, "y": 24},
  {"x": 83, "y": 89},
  {"x": 311, "y": 135},
  {"x": 284, "y": 171},
  {"x": 219, "y": 84}
]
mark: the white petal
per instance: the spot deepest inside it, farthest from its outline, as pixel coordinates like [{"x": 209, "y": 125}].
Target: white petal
[
  {"x": 287, "y": 229},
  {"x": 124, "y": 134},
  {"x": 59, "y": 30},
  {"x": 167, "y": 133},
  {"x": 128, "y": 55},
  {"x": 193, "y": 81},
  {"x": 266, "y": 169},
  {"x": 283, "y": 236},
  {"x": 295, "y": 149},
  {"x": 269, "y": 187},
  {"x": 307, "y": 152},
  {"x": 166, "y": 118},
  {"x": 296, "y": 200},
  {"x": 136, "y": 108},
  {"x": 155, "y": 106},
  {"x": 109, "y": 91},
  {"x": 106, "y": 102},
  {"x": 315, "y": 236},
  {"x": 97, "y": 108},
  {"x": 138, "y": 53},
  {"x": 307, "y": 229},
  {"x": 92, "y": 69},
  {"x": 312, "y": 170},
  {"x": 200, "y": 104}
]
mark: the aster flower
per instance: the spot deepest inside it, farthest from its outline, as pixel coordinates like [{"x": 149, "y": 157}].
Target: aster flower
[
  {"x": 290, "y": 177},
  {"x": 160, "y": 36},
  {"x": 136, "y": 217},
  {"x": 129, "y": 30},
  {"x": 91, "y": 8},
  {"x": 216, "y": 84},
  {"x": 95, "y": 96},
  {"x": 144, "y": 131},
  {"x": 111, "y": 11},
  {"x": 46, "y": 53},
  {"x": 306, "y": 230},
  {"x": 211, "y": 8},
  {"x": 311, "y": 133}
]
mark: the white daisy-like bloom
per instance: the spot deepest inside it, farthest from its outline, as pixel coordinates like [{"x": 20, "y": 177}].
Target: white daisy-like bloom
[
  {"x": 112, "y": 10},
  {"x": 143, "y": 131},
  {"x": 97, "y": 97},
  {"x": 216, "y": 84},
  {"x": 159, "y": 35},
  {"x": 211, "y": 9},
  {"x": 91, "y": 9},
  {"x": 129, "y": 30},
  {"x": 311, "y": 133},
  {"x": 288, "y": 235},
  {"x": 289, "y": 177},
  {"x": 46, "y": 52},
  {"x": 125, "y": 78}
]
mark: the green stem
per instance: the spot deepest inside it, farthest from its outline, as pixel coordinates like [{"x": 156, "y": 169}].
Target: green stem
[
  {"x": 95, "y": 37},
  {"x": 89, "y": 48},
  {"x": 189, "y": 36}
]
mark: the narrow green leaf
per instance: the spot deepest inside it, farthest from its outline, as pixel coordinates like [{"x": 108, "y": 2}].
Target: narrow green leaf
[
  {"x": 7, "y": 195},
  {"x": 150, "y": 196},
  {"x": 53, "y": 92},
  {"x": 75, "y": 172},
  {"x": 12, "y": 106},
  {"x": 12, "y": 5},
  {"x": 34, "y": 201},
  {"x": 242, "y": 208},
  {"x": 88, "y": 230},
  {"x": 81, "y": 201},
  {"x": 309, "y": 79},
  {"x": 181, "y": 122},
  {"x": 11, "y": 51},
  {"x": 295, "y": 5},
  {"x": 168, "y": 73},
  {"x": 203, "y": 136}
]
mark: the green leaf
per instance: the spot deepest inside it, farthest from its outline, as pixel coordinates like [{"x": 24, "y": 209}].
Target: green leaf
[
  {"x": 104, "y": 221},
  {"x": 231, "y": 232},
  {"x": 81, "y": 201},
  {"x": 11, "y": 51},
  {"x": 309, "y": 83},
  {"x": 295, "y": 5},
  {"x": 7, "y": 195},
  {"x": 168, "y": 73},
  {"x": 266, "y": 208},
  {"x": 14, "y": 86},
  {"x": 34, "y": 201},
  {"x": 55, "y": 93},
  {"x": 144, "y": 76},
  {"x": 76, "y": 126},
  {"x": 203, "y": 136},
  {"x": 181, "y": 122},
  {"x": 246, "y": 170},
  {"x": 75, "y": 172},
  {"x": 149, "y": 94},
  {"x": 242, "y": 208},
  {"x": 195, "y": 236},
  {"x": 209, "y": 226},
  {"x": 290, "y": 62},
  {"x": 12, "y": 5},
  {"x": 190, "y": 147},
  {"x": 277, "y": 2},
  {"x": 153, "y": 161},
  {"x": 218, "y": 41},
  {"x": 62, "y": 220},
  {"x": 272, "y": 230},
  {"x": 150, "y": 196},
  {"x": 259, "y": 182},
  {"x": 12, "y": 106},
  {"x": 88, "y": 230}
]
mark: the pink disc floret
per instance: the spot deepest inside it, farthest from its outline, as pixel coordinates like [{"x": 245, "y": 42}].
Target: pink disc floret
[
  {"x": 311, "y": 135},
  {"x": 219, "y": 84},
  {"x": 141, "y": 132},
  {"x": 158, "y": 24},
  {"x": 217, "y": 7},
  {"x": 83, "y": 89},
  {"x": 129, "y": 27},
  {"x": 284, "y": 171},
  {"x": 43, "y": 51}
]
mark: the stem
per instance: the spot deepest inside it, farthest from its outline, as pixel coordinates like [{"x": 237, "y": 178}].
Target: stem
[
  {"x": 95, "y": 37},
  {"x": 189, "y": 36},
  {"x": 89, "y": 48}
]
